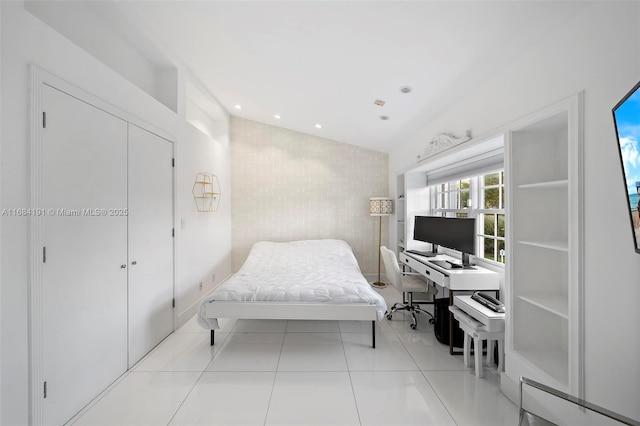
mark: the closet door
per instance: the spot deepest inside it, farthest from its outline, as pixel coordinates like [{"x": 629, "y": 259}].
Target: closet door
[
  {"x": 84, "y": 280},
  {"x": 150, "y": 241}
]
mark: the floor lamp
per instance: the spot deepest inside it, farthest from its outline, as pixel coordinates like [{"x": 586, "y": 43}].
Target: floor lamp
[{"x": 380, "y": 206}]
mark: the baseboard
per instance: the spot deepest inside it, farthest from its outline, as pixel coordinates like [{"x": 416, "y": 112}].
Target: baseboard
[
  {"x": 192, "y": 309},
  {"x": 186, "y": 315},
  {"x": 510, "y": 389}
]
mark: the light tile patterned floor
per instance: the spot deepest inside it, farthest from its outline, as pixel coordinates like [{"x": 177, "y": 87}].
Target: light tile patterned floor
[{"x": 303, "y": 373}]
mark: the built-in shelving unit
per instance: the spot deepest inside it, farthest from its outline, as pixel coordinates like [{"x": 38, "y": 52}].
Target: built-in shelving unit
[
  {"x": 400, "y": 214},
  {"x": 412, "y": 200},
  {"x": 544, "y": 271}
]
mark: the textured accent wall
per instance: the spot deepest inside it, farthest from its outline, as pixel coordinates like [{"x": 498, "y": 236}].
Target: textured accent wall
[{"x": 288, "y": 186}]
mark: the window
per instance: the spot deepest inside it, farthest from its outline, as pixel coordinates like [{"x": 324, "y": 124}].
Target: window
[
  {"x": 453, "y": 197},
  {"x": 491, "y": 217},
  {"x": 482, "y": 197}
]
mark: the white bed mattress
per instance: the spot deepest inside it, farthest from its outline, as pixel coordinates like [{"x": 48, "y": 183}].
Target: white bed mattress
[{"x": 299, "y": 271}]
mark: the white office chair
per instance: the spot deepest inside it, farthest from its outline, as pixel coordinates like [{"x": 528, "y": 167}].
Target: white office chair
[{"x": 407, "y": 283}]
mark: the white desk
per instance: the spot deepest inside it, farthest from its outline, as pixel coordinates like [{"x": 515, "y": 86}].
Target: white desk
[{"x": 454, "y": 280}]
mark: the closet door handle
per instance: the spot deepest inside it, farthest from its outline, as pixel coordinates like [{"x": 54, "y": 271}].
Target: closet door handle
[
  {"x": 135, "y": 262},
  {"x": 123, "y": 266}
]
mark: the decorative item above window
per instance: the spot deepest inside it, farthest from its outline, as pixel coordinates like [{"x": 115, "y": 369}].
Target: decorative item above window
[
  {"x": 442, "y": 141},
  {"x": 206, "y": 192}
]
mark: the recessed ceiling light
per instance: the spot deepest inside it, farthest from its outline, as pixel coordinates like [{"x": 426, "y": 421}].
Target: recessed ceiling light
[
  {"x": 318, "y": 126},
  {"x": 277, "y": 116},
  {"x": 406, "y": 89},
  {"x": 237, "y": 106},
  {"x": 384, "y": 117}
]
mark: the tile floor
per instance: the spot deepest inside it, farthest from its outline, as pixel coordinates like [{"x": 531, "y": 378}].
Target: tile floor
[{"x": 303, "y": 373}]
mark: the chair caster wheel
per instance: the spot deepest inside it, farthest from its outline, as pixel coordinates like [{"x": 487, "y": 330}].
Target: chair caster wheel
[
  {"x": 389, "y": 316},
  {"x": 414, "y": 326},
  {"x": 431, "y": 321}
]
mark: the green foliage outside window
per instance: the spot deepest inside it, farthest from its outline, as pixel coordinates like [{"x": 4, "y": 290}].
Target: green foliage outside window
[
  {"x": 489, "y": 248},
  {"x": 492, "y": 198},
  {"x": 492, "y": 179}
]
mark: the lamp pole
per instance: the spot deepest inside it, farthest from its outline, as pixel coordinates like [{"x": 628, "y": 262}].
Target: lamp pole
[
  {"x": 380, "y": 206},
  {"x": 379, "y": 283}
]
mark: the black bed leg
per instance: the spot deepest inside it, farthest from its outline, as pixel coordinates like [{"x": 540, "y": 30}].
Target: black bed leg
[
  {"x": 373, "y": 333},
  {"x": 212, "y": 338}
]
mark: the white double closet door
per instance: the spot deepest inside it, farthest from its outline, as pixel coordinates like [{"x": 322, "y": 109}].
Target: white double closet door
[{"x": 107, "y": 271}]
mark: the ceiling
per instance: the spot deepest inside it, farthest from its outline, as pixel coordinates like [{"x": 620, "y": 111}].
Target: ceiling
[{"x": 326, "y": 62}]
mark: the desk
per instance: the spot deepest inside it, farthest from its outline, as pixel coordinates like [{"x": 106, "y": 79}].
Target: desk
[{"x": 476, "y": 279}]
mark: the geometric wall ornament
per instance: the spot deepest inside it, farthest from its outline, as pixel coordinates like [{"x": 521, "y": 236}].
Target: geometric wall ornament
[{"x": 206, "y": 192}]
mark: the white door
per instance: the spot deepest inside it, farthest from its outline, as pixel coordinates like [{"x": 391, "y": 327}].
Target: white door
[
  {"x": 150, "y": 241},
  {"x": 84, "y": 280}
]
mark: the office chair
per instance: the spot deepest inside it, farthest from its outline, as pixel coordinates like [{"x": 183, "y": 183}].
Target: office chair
[{"x": 407, "y": 283}]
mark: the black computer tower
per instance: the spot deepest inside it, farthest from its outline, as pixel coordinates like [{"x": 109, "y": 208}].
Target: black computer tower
[{"x": 441, "y": 324}]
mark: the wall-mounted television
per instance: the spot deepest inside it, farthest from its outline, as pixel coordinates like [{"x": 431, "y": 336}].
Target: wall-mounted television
[
  {"x": 456, "y": 233},
  {"x": 626, "y": 118}
]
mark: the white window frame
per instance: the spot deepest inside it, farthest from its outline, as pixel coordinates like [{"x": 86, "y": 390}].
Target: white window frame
[
  {"x": 475, "y": 209},
  {"x": 482, "y": 211}
]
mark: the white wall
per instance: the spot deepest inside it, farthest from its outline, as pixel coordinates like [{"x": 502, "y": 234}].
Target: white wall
[
  {"x": 203, "y": 239},
  {"x": 598, "y": 52},
  {"x": 26, "y": 40},
  {"x": 90, "y": 26}
]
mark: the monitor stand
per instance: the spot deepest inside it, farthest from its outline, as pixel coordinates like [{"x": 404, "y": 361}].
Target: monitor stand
[{"x": 466, "y": 263}]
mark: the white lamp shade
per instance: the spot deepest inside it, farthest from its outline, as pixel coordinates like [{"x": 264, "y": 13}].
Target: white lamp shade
[{"x": 380, "y": 206}]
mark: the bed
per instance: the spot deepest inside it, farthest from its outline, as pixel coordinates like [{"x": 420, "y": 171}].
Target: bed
[{"x": 309, "y": 279}]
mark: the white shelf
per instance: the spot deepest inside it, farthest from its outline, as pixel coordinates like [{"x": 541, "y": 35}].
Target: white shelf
[
  {"x": 412, "y": 198},
  {"x": 555, "y": 303},
  {"x": 543, "y": 185},
  {"x": 544, "y": 218},
  {"x": 549, "y": 244}
]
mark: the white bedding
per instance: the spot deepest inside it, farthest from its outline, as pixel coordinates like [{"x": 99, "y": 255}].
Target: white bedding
[{"x": 299, "y": 271}]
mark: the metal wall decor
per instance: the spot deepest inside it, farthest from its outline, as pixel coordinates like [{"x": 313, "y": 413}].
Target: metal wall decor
[{"x": 206, "y": 192}]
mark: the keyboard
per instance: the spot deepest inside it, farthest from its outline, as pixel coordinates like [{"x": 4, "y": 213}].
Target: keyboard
[
  {"x": 488, "y": 301},
  {"x": 422, "y": 253},
  {"x": 446, "y": 265}
]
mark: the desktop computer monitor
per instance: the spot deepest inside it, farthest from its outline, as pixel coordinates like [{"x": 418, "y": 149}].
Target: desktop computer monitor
[{"x": 456, "y": 233}]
